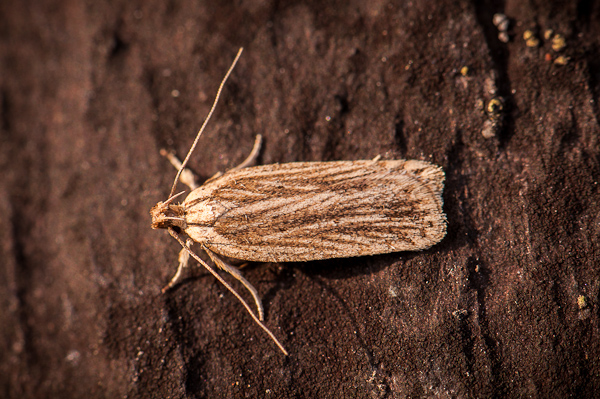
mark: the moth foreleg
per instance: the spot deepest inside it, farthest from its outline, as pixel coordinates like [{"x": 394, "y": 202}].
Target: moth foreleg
[
  {"x": 187, "y": 176},
  {"x": 238, "y": 275},
  {"x": 184, "y": 257}
]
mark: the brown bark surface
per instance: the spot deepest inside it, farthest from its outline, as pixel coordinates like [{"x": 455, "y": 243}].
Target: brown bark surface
[{"x": 506, "y": 305}]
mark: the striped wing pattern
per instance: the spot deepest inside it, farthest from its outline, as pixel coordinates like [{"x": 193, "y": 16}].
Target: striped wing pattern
[{"x": 319, "y": 210}]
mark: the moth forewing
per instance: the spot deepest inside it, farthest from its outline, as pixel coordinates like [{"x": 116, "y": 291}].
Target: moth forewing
[{"x": 318, "y": 210}]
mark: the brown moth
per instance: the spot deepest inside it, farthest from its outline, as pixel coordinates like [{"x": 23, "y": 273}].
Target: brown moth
[{"x": 302, "y": 211}]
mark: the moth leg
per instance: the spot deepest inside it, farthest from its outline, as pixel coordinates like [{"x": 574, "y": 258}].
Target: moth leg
[
  {"x": 230, "y": 288},
  {"x": 253, "y": 154},
  {"x": 377, "y": 158},
  {"x": 187, "y": 177},
  {"x": 249, "y": 159},
  {"x": 184, "y": 257},
  {"x": 238, "y": 275}
]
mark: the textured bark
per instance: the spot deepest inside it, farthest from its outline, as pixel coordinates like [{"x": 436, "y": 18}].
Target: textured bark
[{"x": 506, "y": 304}]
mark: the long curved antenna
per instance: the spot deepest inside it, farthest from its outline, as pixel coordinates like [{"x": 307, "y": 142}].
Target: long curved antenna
[
  {"x": 230, "y": 288},
  {"x": 212, "y": 109}
]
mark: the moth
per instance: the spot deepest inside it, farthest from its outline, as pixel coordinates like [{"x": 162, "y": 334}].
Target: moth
[{"x": 301, "y": 211}]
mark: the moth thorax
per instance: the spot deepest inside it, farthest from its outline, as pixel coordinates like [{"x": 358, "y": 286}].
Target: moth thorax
[{"x": 165, "y": 215}]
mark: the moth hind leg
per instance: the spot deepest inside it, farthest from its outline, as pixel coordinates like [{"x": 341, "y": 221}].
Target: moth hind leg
[
  {"x": 238, "y": 276},
  {"x": 253, "y": 154},
  {"x": 249, "y": 159},
  {"x": 185, "y": 246},
  {"x": 184, "y": 257}
]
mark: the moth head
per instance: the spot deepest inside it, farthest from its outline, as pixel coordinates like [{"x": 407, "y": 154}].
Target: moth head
[{"x": 165, "y": 215}]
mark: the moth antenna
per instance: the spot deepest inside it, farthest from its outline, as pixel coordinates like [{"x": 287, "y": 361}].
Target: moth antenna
[
  {"x": 212, "y": 109},
  {"x": 172, "y": 197},
  {"x": 229, "y": 287}
]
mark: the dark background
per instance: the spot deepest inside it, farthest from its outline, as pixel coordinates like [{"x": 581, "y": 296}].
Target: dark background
[{"x": 506, "y": 305}]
